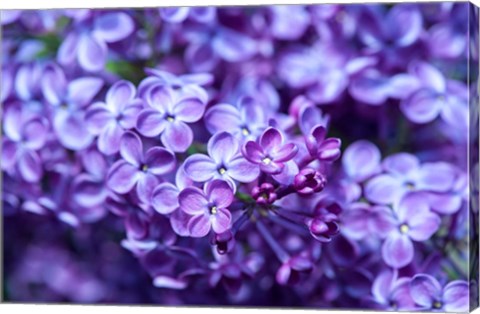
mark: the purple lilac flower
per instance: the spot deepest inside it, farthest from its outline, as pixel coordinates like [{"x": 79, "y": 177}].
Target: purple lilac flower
[
  {"x": 69, "y": 100},
  {"x": 88, "y": 43},
  {"x": 207, "y": 209},
  {"x": 111, "y": 118},
  {"x": 428, "y": 294},
  {"x": 25, "y": 133},
  {"x": 391, "y": 292},
  {"x": 411, "y": 221},
  {"x": 245, "y": 122},
  {"x": 404, "y": 173},
  {"x": 436, "y": 97},
  {"x": 270, "y": 152},
  {"x": 180, "y": 14},
  {"x": 138, "y": 169},
  {"x": 224, "y": 161},
  {"x": 168, "y": 115}
]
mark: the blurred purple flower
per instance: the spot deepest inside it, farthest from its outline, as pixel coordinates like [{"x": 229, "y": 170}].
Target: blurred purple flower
[
  {"x": 25, "y": 133},
  {"x": 428, "y": 294},
  {"x": 88, "y": 42},
  {"x": 69, "y": 100},
  {"x": 391, "y": 292},
  {"x": 111, "y": 118}
]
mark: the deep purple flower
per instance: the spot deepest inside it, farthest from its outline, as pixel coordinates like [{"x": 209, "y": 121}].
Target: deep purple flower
[
  {"x": 309, "y": 181},
  {"x": 271, "y": 153},
  {"x": 223, "y": 161},
  {"x": 88, "y": 44},
  {"x": 427, "y": 293},
  {"x": 289, "y": 273},
  {"x": 139, "y": 169},
  {"x": 322, "y": 148},
  {"x": 264, "y": 194},
  {"x": 412, "y": 220},
  {"x": 70, "y": 100},
  {"x": 169, "y": 113},
  {"x": 208, "y": 209},
  {"x": 323, "y": 224},
  {"x": 111, "y": 118},
  {"x": 25, "y": 133}
]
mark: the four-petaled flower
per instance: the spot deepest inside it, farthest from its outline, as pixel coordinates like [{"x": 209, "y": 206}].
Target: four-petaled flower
[
  {"x": 111, "y": 118},
  {"x": 270, "y": 153},
  {"x": 224, "y": 161},
  {"x": 207, "y": 209},
  {"x": 137, "y": 169},
  {"x": 168, "y": 114},
  {"x": 427, "y": 292}
]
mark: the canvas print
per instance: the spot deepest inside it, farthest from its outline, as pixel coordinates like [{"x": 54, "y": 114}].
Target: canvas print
[{"x": 300, "y": 156}]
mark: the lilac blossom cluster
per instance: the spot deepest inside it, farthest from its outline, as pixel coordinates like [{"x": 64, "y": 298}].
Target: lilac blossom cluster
[{"x": 308, "y": 156}]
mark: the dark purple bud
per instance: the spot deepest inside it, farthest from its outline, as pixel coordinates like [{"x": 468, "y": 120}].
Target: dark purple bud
[
  {"x": 309, "y": 181},
  {"x": 264, "y": 194},
  {"x": 224, "y": 242}
]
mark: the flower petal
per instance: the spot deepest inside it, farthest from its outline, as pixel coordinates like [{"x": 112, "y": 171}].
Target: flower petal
[
  {"x": 159, "y": 160},
  {"x": 219, "y": 193},
  {"x": 425, "y": 290},
  {"x": 98, "y": 117},
  {"x": 242, "y": 170},
  {"x": 131, "y": 148},
  {"x": 222, "y": 147},
  {"x": 199, "y": 226},
  {"x": 71, "y": 131},
  {"x": 456, "y": 296},
  {"x": 82, "y": 90},
  {"x": 189, "y": 110},
  {"x": 145, "y": 186},
  {"x": 361, "y": 160},
  {"x": 177, "y": 136},
  {"x": 92, "y": 53},
  {"x": 30, "y": 166},
  {"x": 271, "y": 140},
  {"x": 221, "y": 221},
  {"x": 200, "y": 168},
  {"x": 165, "y": 198},
  {"x": 383, "y": 189},
  {"x": 35, "y": 133},
  {"x": 192, "y": 201},
  {"x": 397, "y": 250},
  {"x": 112, "y": 27},
  {"x": 122, "y": 177},
  {"x": 109, "y": 139},
  {"x": 423, "y": 226},
  {"x": 422, "y": 107},
  {"x": 222, "y": 117},
  {"x": 150, "y": 123},
  {"x": 121, "y": 93}
]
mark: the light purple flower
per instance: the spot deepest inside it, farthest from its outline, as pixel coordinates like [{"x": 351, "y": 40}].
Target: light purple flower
[
  {"x": 111, "y": 118},
  {"x": 180, "y": 14},
  {"x": 404, "y": 173},
  {"x": 412, "y": 220},
  {"x": 138, "y": 169},
  {"x": 245, "y": 122},
  {"x": 270, "y": 153},
  {"x": 208, "y": 209},
  {"x": 224, "y": 161},
  {"x": 25, "y": 134},
  {"x": 168, "y": 114},
  {"x": 70, "y": 100},
  {"x": 427, "y": 292},
  {"x": 88, "y": 44},
  {"x": 391, "y": 292},
  {"x": 436, "y": 96}
]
